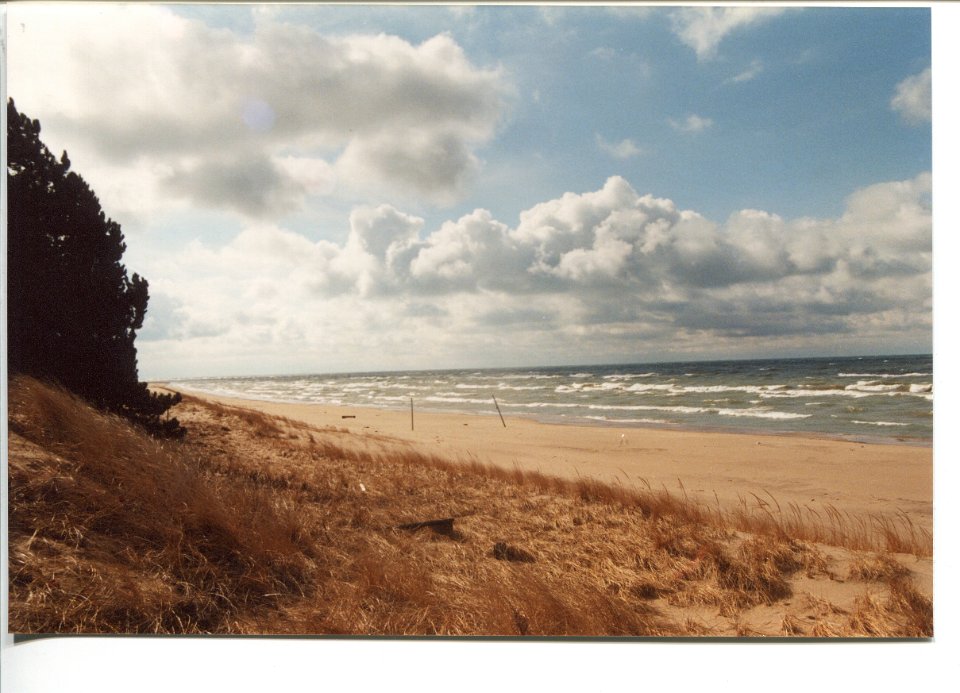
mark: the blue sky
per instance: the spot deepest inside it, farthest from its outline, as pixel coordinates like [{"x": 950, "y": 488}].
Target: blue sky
[{"x": 370, "y": 187}]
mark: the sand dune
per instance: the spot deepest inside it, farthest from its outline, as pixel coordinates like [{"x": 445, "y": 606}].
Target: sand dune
[{"x": 856, "y": 478}]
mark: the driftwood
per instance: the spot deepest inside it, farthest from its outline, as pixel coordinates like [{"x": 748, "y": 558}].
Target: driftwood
[{"x": 443, "y": 525}]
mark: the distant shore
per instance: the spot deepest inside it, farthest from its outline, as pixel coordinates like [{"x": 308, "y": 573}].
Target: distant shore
[{"x": 728, "y": 468}]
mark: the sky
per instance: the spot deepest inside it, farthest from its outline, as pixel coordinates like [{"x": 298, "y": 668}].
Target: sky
[{"x": 314, "y": 188}]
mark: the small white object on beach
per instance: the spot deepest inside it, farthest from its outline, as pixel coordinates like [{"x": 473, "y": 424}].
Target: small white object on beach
[
  {"x": 363, "y": 488},
  {"x": 623, "y": 439}
]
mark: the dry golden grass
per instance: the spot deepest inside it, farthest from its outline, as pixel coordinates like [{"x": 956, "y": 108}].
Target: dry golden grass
[
  {"x": 256, "y": 524},
  {"x": 112, "y": 531}
]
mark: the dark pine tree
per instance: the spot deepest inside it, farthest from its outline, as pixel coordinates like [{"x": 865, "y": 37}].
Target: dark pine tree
[{"x": 73, "y": 312}]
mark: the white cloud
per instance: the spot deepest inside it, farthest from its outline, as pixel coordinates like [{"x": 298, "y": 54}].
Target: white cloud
[
  {"x": 468, "y": 254},
  {"x": 752, "y": 71},
  {"x": 584, "y": 272},
  {"x": 692, "y": 123},
  {"x": 703, "y": 28},
  {"x": 136, "y": 85},
  {"x": 314, "y": 175},
  {"x": 912, "y": 98},
  {"x": 605, "y": 260},
  {"x": 624, "y": 149}
]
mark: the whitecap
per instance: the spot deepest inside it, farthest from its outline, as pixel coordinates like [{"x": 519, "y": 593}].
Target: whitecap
[
  {"x": 882, "y": 375},
  {"x": 880, "y": 423},
  {"x": 872, "y": 386},
  {"x": 762, "y": 414},
  {"x": 539, "y": 405},
  {"x": 628, "y": 376},
  {"x": 457, "y": 400},
  {"x": 638, "y": 421}
]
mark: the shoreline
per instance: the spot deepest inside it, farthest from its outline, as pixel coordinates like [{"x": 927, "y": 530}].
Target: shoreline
[
  {"x": 730, "y": 469},
  {"x": 585, "y": 422}
]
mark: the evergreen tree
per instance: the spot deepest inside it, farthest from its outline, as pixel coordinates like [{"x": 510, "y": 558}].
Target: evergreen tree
[{"x": 73, "y": 312}]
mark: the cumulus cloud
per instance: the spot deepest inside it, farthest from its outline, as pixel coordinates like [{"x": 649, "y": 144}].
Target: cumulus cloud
[
  {"x": 703, "y": 28},
  {"x": 912, "y": 98},
  {"x": 166, "y": 91},
  {"x": 601, "y": 268}
]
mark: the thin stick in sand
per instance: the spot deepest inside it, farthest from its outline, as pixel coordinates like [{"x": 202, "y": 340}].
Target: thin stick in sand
[{"x": 499, "y": 412}]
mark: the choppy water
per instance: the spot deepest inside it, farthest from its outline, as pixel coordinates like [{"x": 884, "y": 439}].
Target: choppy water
[{"x": 888, "y": 397}]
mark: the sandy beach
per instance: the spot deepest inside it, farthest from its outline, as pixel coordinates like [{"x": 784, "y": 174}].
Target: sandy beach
[{"x": 853, "y": 477}]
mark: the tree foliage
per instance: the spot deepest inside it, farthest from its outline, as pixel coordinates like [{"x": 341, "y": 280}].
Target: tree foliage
[{"x": 73, "y": 312}]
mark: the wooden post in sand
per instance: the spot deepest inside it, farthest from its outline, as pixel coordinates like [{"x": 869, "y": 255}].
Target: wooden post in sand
[
  {"x": 498, "y": 411},
  {"x": 411, "y": 413}
]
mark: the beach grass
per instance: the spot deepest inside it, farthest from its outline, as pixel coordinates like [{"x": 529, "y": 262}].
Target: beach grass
[{"x": 260, "y": 524}]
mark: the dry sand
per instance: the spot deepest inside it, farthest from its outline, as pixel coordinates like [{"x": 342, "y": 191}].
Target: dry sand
[{"x": 856, "y": 478}]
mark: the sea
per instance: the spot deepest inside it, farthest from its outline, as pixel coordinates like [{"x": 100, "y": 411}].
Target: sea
[{"x": 868, "y": 398}]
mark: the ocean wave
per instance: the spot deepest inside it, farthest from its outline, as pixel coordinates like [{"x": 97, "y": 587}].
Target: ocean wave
[
  {"x": 713, "y": 389},
  {"x": 456, "y": 400},
  {"x": 539, "y": 405},
  {"x": 880, "y": 423},
  {"x": 499, "y": 386},
  {"x": 874, "y": 386},
  {"x": 817, "y": 398},
  {"x": 516, "y": 376},
  {"x": 852, "y": 391},
  {"x": 756, "y": 412},
  {"x": 586, "y": 387},
  {"x": 628, "y": 376},
  {"x": 639, "y": 421},
  {"x": 679, "y": 409},
  {"x": 380, "y": 385},
  {"x": 763, "y": 414},
  {"x": 392, "y": 398},
  {"x": 654, "y": 387},
  {"x": 883, "y": 375},
  {"x": 668, "y": 388}
]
